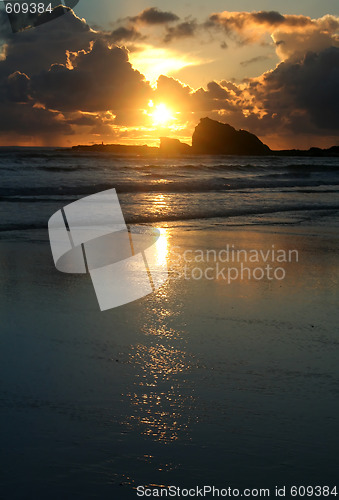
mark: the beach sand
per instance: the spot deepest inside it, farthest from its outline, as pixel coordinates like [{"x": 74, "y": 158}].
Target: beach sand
[{"x": 204, "y": 382}]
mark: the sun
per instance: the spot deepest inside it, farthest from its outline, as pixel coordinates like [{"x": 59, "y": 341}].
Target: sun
[{"x": 161, "y": 115}]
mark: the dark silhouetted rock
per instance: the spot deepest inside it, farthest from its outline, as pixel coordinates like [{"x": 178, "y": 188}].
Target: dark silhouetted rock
[
  {"x": 173, "y": 147},
  {"x": 215, "y": 138},
  {"x": 315, "y": 152}
]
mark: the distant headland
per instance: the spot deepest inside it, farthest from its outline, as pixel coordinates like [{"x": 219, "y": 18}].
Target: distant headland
[{"x": 210, "y": 137}]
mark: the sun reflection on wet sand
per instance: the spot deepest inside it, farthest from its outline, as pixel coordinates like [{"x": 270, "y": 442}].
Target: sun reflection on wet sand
[
  {"x": 160, "y": 397},
  {"x": 159, "y": 402},
  {"x": 161, "y": 247}
]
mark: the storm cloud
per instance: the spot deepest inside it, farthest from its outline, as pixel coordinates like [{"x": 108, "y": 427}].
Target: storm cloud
[
  {"x": 308, "y": 88},
  {"x": 99, "y": 79},
  {"x": 51, "y": 74}
]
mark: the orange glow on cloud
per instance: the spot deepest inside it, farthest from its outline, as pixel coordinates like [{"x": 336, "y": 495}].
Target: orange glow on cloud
[{"x": 153, "y": 62}]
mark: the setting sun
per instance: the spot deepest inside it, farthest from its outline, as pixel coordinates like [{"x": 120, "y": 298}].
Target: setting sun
[{"x": 160, "y": 113}]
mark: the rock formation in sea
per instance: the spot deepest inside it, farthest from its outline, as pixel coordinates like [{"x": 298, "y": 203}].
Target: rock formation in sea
[
  {"x": 170, "y": 146},
  {"x": 212, "y": 137}
]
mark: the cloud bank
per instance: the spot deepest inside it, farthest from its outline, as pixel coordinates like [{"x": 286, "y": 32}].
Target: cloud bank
[{"x": 64, "y": 80}]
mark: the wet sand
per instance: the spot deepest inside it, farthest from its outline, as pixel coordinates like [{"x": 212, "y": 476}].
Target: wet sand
[{"x": 204, "y": 382}]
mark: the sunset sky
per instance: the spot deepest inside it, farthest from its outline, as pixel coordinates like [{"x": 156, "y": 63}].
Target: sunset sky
[{"x": 130, "y": 72}]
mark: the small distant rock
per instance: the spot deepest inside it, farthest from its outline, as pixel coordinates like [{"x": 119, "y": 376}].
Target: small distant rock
[{"x": 171, "y": 147}]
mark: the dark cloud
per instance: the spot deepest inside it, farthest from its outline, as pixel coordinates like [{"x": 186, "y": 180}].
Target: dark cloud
[
  {"x": 181, "y": 30},
  {"x": 272, "y": 18},
  {"x": 190, "y": 100},
  {"x": 100, "y": 79},
  {"x": 242, "y": 20},
  {"x": 23, "y": 55},
  {"x": 216, "y": 91},
  {"x": 36, "y": 49},
  {"x": 152, "y": 15},
  {"x": 28, "y": 121},
  {"x": 50, "y": 73},
  {"x": 82, "y": 119},
  {"x": 230, "y": 86},
  {"x": 5, "y": 28},
  {"x": 309, "y": 88},
  {"x": 125, "y": 34},
  {"x": 214, "y": 98},
  {"x": 17, "y": 87}
]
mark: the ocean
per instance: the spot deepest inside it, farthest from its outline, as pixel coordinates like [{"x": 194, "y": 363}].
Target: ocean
[{"x": 193, "y": 191}]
